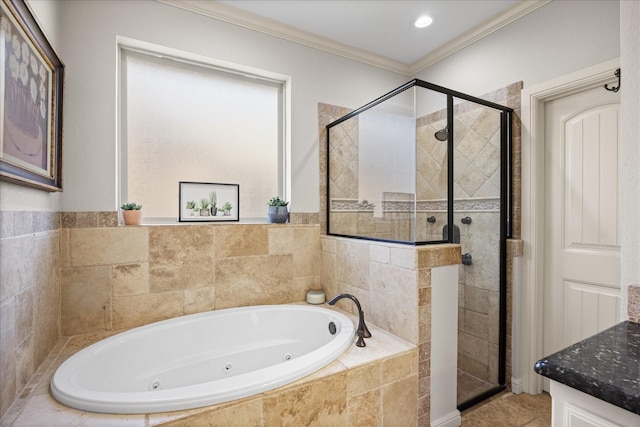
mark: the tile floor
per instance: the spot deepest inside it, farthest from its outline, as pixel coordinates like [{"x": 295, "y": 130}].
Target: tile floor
[
  {"x": 470, "y": 386},
  {"x": 510, "y": 410}
]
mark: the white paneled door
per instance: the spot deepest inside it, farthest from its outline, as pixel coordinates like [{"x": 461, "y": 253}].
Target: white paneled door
[{"x": 582, "y": 248}]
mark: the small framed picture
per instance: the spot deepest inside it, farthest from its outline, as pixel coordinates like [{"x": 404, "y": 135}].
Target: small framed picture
[{"x": 208, "y": 202}]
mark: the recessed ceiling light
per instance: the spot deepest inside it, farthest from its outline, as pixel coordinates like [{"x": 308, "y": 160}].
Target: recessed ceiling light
[{"x": 423, "y": 21}]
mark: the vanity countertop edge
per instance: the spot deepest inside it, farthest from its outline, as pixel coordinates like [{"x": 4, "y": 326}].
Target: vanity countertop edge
[{"x": 605, "y": 365}]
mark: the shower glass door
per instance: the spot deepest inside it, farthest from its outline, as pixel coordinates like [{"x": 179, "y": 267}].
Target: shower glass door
[{"x": 478, "y": 200}]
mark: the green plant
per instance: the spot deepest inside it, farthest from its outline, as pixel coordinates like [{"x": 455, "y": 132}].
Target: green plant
[
  {"x": 191, "y": 204},
  {"x": 131, "y": 207},
  {"x": 204, "y": 203},
  {"x": 226, "y": 206},
  {"x": 277, "y": 201},
  {"x": 213, "y": 198}
]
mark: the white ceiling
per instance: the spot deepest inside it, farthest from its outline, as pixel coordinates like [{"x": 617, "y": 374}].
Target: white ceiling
[{"x": 378, "y": 32}]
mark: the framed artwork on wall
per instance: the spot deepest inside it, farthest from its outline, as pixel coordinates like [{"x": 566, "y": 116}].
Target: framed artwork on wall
[
  {"x": 208, "y": 202},
  {"x": 31, "y": 76}
]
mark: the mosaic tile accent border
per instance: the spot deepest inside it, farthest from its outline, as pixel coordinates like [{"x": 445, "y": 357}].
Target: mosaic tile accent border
[{"x": 346, "y": 205}]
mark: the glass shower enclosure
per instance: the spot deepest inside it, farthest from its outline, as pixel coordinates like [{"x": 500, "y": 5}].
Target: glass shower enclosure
[{"x": 424, "y": 164}]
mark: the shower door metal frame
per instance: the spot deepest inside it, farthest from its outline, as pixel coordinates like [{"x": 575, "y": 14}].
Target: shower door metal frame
[
  {"x": 505, "y": 191},
  {"x": 506, "y": 195}
]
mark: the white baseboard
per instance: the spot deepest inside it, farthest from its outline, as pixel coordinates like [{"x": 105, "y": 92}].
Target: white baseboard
[
  {"x": 517, "y": 385},
  {"x": 452, "y": 419}
]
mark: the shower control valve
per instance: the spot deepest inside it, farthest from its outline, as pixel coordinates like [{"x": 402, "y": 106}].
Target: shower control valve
[{"x": 466, "y": 220}]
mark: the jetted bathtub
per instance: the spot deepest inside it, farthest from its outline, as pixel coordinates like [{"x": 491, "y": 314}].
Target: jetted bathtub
[{"x": 202, "y": 359}]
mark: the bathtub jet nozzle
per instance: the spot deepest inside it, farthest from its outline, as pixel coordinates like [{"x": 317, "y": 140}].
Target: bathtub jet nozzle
[{"x": 362, "y": 331}]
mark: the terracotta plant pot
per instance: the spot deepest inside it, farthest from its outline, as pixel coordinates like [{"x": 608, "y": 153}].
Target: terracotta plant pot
[{"x": 132, "y": 217}]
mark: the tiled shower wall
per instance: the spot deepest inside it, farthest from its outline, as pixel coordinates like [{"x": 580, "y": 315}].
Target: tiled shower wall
[
  {"x": 29, "y": 296},
  {"x": 477, "y": 192},
  {"x": 477, "y": 184},
  {"x": 477, "y": 172}
]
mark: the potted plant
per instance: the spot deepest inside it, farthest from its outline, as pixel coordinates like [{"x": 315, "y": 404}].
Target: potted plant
[
  {"x": 213, "y": 199},
  {"x": 131, "y": 213},
  {"x": 226, "y": 208},
  {"x": 204, "y": 207},
  {"x": 278, "y": 212},
  {"x": 191, "y": 207}
]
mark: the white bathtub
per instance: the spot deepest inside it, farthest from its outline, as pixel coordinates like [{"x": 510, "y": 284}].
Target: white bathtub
[{"x": 202, "y": 359}]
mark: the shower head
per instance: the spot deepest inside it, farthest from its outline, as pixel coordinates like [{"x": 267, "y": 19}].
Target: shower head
[{"x": 442, "y": 134}]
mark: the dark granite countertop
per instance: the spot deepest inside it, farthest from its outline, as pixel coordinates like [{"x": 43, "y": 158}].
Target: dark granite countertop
[{"x": 606, "y": 366}]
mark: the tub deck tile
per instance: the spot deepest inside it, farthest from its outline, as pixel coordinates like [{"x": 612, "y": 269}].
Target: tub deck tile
[{"x": 37, "y": 407}]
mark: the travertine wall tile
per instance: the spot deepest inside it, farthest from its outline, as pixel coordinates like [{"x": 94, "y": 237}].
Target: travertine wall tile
[
  {"x": 107, "y": 219},
  {"x": 23, "y": 223},
  {"x": 24, "y": 302},
  {"x": 199, "y": 300},
  {"x": 65, "y": 255},
  {"x": 86, "y": 299},
  {"x": 302, "y": 284},
  {"x": 181, "y": 257},
  {"x": 106, "y": 246},
  {"x": 328, "y": 273},
  {"x": 242, "y": 413},
  {"x": 130, "y": 279},
  {"x": 242, "y": 281},
  {"x": 324, "y": 402},
  {"x": 25, "y": 362},
  {"x": 398, "y": 367},
  {"x": 380, "y": 254},
  {"x": 424, "y": 296},
  {"x": 137, "y": 310},
  {"x": 397, "y": 411},
  {"x": 424, "y": 322},
  {"x": 436, "y": 256},
  {"x": 328, "y": 244},
  {"x": 241, "y": 240},
  {"x": 352, "y": 263},
  {"x": 364, "y": 379},
  {"x": 280, "y": 240},
  {"x": 306, "y": 247},
  {"x": 185, "y": 259},
  {"x": 30, "y": 298},
  {"x": 365, "y": 410},
  {"x": 6, "y": 224},
  {"x": 15, "y": 273},
  {"x": 86, "y": 219},
  {"x": 8, "y": 346},
  {"x": 404, "y": 258},
  {"x": 424, "y": 278},
  {"x": 68, "y": 219},
  {"x": 394, "y": 287}
]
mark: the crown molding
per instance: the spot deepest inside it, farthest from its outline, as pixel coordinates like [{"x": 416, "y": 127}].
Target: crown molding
[
  {"x": 235, "y": 16},
  {"x": 245, "y": 19},
  {"x": 477, "y": 33}
]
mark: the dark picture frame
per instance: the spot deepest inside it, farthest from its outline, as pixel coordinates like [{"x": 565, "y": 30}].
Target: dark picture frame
[
  {"x": 31, "y": 75},
  {"x": 199, "y": 193}
]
